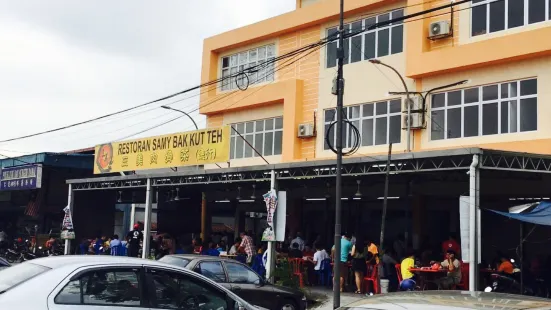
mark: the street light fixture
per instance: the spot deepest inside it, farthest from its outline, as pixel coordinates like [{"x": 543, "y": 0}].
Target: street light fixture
[
  {"x": 173, "y": 109},
  {"x": 378, "y": 62}
]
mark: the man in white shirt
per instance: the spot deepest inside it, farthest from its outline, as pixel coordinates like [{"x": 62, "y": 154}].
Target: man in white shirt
[
  {"x": 319, "y": 256},
  {"x": 298, "y": 240}
]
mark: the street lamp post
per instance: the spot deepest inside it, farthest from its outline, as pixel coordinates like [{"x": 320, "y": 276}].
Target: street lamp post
[
  {"x": 408, "y": 125},
  {"x": 173, "y": 109}
]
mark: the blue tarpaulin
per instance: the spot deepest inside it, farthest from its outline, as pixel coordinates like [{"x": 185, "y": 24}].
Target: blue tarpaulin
[{"x": 539, "y": 214}]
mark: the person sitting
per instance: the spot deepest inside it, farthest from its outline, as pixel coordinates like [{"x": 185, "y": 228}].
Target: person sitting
[
  {"x": 505, "y": 266},
  {"x": 295, "y": 252},
  {"x": 235, "y": 246},
  {"x": 212, "y": 251},
  {"x": 221, "y": 247},
  {"x": 407, "y": 275},
  {"x": 453, "y": 276}
]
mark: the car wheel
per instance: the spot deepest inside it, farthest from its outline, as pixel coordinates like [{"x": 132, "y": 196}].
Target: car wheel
[{"x": 288, "y": 304}]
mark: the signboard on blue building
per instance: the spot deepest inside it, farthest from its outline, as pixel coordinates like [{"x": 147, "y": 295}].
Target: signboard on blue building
[{"x": 21, "y": 178}]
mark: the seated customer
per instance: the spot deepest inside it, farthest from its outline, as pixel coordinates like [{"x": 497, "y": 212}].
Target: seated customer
[
  {"x": 295, "y": 252},
  {"x": 408, "y": 278},
  {"x": 505, "y": 266},
  {"x": 453, "y": 266},
  {"x": 212, "y": 251}
]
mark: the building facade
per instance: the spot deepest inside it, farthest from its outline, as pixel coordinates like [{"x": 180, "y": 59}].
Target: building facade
[{"x": 496, "y": 45}]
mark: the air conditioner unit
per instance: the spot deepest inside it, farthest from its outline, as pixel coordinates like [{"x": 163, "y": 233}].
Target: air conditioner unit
[
  {"x": 415, "y": 104},
  {"x": 305, "y": 130},
  {"x": 415, "y": 121},
  {"x": 439, "y": 29}
]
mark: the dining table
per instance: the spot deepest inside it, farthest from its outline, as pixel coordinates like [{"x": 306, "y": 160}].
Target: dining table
[{"x": 428, "y": 275}]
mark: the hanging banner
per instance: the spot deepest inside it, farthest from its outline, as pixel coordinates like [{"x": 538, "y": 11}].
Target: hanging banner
[
  {"x": 270, "y": 199},
  {"x": 206, "y": 146},
  {"x": 21, "y": 178},
  {"x": 67, "y": 229}
]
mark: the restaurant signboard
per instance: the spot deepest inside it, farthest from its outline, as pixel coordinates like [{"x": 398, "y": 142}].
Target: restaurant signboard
[{"x": 21, "y": 178}]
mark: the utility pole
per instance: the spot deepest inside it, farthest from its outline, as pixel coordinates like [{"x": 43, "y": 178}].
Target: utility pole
[
  {"x": 385, "y": 201},
  {"x": 338, "y": 185}
]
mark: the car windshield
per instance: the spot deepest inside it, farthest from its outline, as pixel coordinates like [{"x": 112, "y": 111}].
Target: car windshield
[
  {"x": 12, "y": 276},
  {"x": 180, "y": 262}
]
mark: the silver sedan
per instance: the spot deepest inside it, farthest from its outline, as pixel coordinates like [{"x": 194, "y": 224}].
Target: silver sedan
[{"x": 105, "y": 282}]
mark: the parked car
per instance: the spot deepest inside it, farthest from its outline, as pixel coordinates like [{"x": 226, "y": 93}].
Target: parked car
[
  {"x": 451, "y": 300},
  {"x": 108, "y": 282},
  {"x": 242, "y": 280}
]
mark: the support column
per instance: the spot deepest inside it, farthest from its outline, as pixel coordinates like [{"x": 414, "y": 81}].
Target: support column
[
  {"x": 473, "y": 277},
  {"x": 478, "y": 229},
  {"x": 270, "y": 259},
  {"x": 132, "y": 217},
  {"x": 147, "y": 220},
  {"x": 205, "y": 229},
  {"x": 70, "y": 200}
]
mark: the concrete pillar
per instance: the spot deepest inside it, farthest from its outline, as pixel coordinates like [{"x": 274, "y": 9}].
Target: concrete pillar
[
  {"x": 147, "y": 220},
  {"x": 205, "y": 227},
  {"x": 70, "y": 201}
]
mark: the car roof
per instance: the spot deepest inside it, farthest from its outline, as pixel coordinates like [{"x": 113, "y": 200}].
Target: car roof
[
  {"x": 86, "y": 260},
  {"x": 192, "y": 257},
  {"x": 456, "y": 300}
]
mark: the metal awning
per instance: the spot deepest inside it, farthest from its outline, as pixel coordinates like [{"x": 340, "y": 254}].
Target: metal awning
[{"x": 428, "y": 161}]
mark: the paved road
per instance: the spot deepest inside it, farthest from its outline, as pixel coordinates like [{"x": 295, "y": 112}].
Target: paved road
[{"x": 324, "y": 298}]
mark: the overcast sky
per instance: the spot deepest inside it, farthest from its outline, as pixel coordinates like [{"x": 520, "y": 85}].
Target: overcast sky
[{"x": 67, "y": 61}]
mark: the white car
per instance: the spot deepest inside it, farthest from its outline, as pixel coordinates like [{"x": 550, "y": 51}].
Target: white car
[{"x": 107, "y": 282}]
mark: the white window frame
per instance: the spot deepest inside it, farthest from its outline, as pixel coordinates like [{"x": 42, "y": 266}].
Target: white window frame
[
  {"x": 348, "y": 28},
  {"x": 480, "y": 104},
  {"x": 360, "y": 119},
  {"x": 506, "y": 17},
  {"x": 260, "y": 148},
  {"x": 240, "y": 61}
]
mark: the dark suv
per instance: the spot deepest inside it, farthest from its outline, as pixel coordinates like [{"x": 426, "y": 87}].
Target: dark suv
[{"x": 241, "y": 280}]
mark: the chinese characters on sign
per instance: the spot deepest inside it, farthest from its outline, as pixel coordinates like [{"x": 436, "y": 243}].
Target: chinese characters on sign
[
  {"x": 206, "y": 146},
  {"x": 271, "y": 204},
  {"x": 19, "y": 178}
]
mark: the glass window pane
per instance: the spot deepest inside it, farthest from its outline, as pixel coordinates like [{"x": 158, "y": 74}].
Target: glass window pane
[
  {"x": 259, "y": 126},
  {"x": 70, "y": 295},
  {"x": 380, "y": 130},
  {"x": 110, "y": 288},
  {"x": 225, "y": 62},
  {"x": 279, "y": 123},
  {"x": 253, "y": 55},
  {"x": 354, "y": 112},
  {"x": 454, "y": 98},
  {"x": 382, "y": 42},
  {"x": 454, "y": 123},
  {"x": 232, "y": 148},
  {"x": 233, "y": 60},
  {"x": 249, "y": 127},
  {"x": 536, "y": 11},
  {"x": 369, "y": 49},
  {"x": 240, "y": 274},
  {"x": 278, "y": 142},
  {"x": 356, "y": 49},
  {"x": 383, "y": 17},
  {"x": 513, "y": 87},
  {"x": 370, "y": 22},
  {"x": 243, "y": 58},
  {"x": 381, "y": 108},
  {"x": 331, "y": 135},
  {"x": 258, "y": 142},
  {"x": 270, "y": 51},
  {"x": 239, "y": 145},
  {"x": 489, "y": 119},
  {"x": 478, "y": 20},
  {"x": 262, "y": 53},
  {"x": 528, "y": 87},
  {"x": 269, "y": 125},
  {"x": 395, "y": 128},
  {"x": 248, "y": 149},
  {"x": 497, "y": 16},
  {"x": 437, "y": 125},
  {"x": 397, "y": 14},
  {"x": 213, "y": 271},
  {"x": 346, "y": 50},
  {"x": 330, "y": 115},
  {"x": 331, "y": 54},
  {"x": 367, "y": 132},
  {"x": 438, "y": 100},
  {"x": 513, "y": 117},
  {"x": 489, "y": 92},
  {"x": 240, "y": 128},
  {"x": 470, "y": 121},
  {"x": 351, "y": 136},
  {"x": 504, "y": 90},
  {"x": 471, "y": 95},
  {"x": 528, "y": 114},
  {"x": 397, "y": 36},
  {"x": 395, "y": 106},
  {"x": 515, "y": 13},
  {"x": 367, "y": 109},
  {"x": 504, "y": 117},
  {"x": 268, "y": 143}
]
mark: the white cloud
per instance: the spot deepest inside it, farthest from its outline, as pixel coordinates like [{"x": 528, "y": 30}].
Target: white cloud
[{"x": 65, "y": 61}]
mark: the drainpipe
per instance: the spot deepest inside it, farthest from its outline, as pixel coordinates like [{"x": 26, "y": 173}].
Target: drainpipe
[{"x": 473, "y": 171}]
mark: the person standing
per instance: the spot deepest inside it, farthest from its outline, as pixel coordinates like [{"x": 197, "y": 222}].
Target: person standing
[
  {"x": 342, "y": 258},
  {"x": 134, "y": 238},
  {"x": 247, "y": 246},
  {"x": 115, "y": 246},
  {"x": 358, "y": 264}
]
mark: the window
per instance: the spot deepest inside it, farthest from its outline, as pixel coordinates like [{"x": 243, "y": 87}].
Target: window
[
  {"x": 487, "y": 110},
  {"x": 105, "y": 287},
  {"x": 379, "y": 123},
  {"x": 212, "y": 270},
  {"x": 495, "y": 15},
  {"x": 374, "y": 43},
  {"x": 178, "y": 261},
  {"x": 233, "y": 64},
  {"x": 266, "y": 136},
  {"x": 240, "y": 274},
  {"x": 15, "y": 275},
  {"x": 179, "y": 291}
]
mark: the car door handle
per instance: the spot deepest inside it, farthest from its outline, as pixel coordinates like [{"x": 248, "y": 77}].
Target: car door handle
[{"x": 237, "y": 288}]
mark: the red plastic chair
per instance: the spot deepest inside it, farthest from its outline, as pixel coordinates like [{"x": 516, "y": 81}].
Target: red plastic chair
[
  {"x": 297, "y": 268},
  {"x": 371, "y": 276},
  {"x": 464, "y": 283},
  {"x": 398, "y": 268}
]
